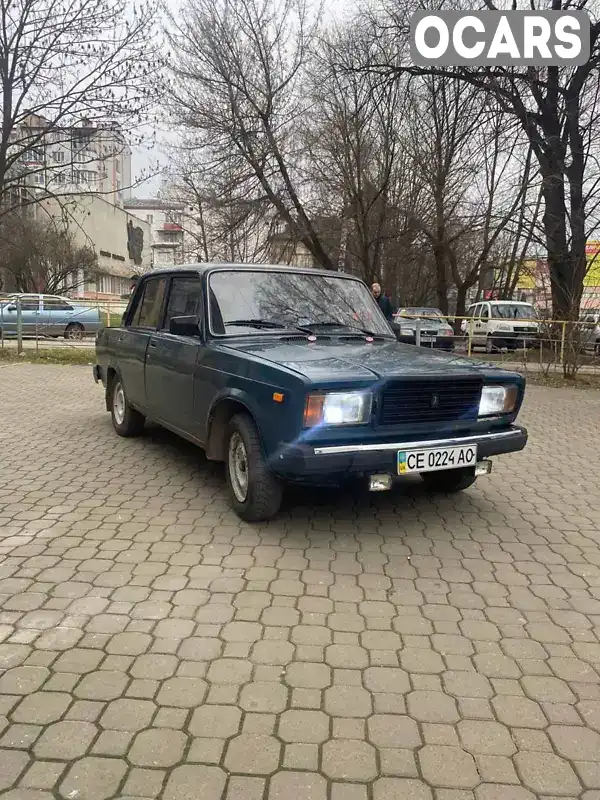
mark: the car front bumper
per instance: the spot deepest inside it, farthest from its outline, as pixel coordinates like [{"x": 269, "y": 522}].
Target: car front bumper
[
  {"x": 514, "y": 340},
  {"x": 440, "y": 343},
  {"x": 310, "y": 463}
]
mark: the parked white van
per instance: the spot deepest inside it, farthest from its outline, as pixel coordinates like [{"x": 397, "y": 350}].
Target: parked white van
[{"x": 496, "y": 324}]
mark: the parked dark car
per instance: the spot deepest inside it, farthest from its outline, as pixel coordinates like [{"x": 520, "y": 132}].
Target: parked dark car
[
  {"x": 434, "y": 328},
  {"x": 294, "y": 375}
]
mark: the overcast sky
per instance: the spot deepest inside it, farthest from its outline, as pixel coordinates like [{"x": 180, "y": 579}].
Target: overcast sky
[{"x": 144, "y": 158}]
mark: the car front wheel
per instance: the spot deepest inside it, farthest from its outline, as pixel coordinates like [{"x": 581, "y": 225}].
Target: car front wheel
[
  {"x": 449, "y": 480},
  {"x": 75, "y": 331},
  {"x": 125, "y": 419},
  {"x": 254, "y": 491}
]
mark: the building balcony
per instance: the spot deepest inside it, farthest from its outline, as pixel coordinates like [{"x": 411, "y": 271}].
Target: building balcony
[{"x": 171, "y": 226}]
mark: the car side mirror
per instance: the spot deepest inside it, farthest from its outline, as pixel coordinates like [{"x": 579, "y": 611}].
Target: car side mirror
[{"x": 184, "y": 326}]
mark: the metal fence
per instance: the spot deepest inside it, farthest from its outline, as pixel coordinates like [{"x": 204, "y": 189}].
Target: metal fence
[
  {"x": 556, "y": 346},
  {"x": 550, "y": 345}
]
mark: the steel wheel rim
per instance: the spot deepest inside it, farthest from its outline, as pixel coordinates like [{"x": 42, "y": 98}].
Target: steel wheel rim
[
  {"x": 238, "y": 467},
  {"x": 119, "y": 404}
]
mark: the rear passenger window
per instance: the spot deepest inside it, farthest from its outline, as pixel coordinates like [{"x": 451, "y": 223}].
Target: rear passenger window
[
  {"x": 147, "y": 314},
  {"x": 30, "y": 304},
  {"x": 185, "y": 299},
  {"x": 56, "y": 304}
]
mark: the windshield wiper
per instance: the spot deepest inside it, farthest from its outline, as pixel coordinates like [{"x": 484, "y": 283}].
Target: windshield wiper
[
  {"x": 255, "y": 323},
  {"x": 334, "y": 323}
]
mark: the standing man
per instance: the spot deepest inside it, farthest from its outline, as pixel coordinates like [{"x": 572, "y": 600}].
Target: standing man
[{"x": 383, "y": 302}]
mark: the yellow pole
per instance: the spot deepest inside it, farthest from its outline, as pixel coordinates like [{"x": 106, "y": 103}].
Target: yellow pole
[
  {"x": 562, "y": 344},
  {"x": 470, "y": 335}
]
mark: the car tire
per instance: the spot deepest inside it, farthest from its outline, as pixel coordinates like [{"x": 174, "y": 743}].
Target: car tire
[
  {"x": 254, "y": 491},
  {"x": 449, "y": 481},
  {"x": 75, "y": 331},
  {"x": 125, "y": 419}
]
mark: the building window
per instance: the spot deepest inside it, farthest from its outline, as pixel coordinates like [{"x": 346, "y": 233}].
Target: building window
[{"x": 149, "y": 219}]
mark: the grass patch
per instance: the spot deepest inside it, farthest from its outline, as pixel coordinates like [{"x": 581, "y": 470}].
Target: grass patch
[
  {"x": 57, "y": 355},
  {"x": 115, "y": 320},
  {"x": 558, "y": 381}
]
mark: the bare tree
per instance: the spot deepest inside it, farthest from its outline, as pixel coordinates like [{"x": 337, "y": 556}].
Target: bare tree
[
  {"x": 43, "y": 256},
  {"x": 353, "y": 133},
  {"x": 237, "y": 86},
  {"x": 558, "y": 111},
  {"x": 73, "y": 79},
  {"x": 226, "y": 216}
]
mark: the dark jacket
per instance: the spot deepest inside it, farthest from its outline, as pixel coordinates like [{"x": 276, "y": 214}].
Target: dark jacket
[{"x": 385, "y": 305}]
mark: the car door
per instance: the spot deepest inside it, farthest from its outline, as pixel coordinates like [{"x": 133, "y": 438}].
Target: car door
[
  {"x": 484, "y": 323},
  {"x": 131, "y": 343},
  {"x": 470, "y": 329},
  {"x": 30, "y": 315},
  {"x": 171, "y": 359},
  {"x": 56, "y": 314}
]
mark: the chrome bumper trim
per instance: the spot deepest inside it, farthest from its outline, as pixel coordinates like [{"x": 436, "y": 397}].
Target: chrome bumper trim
[{"x": 369, "y": 448}]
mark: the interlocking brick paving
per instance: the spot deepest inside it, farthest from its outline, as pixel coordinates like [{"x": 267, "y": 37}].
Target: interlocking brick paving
[{"x": 359, "y": 647}]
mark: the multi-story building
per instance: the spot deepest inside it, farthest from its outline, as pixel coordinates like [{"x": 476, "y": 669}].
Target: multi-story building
[
  {"x": 67, "y": 160},
  {"x": 80, "y": 177},
  {"x": 172, "y": 227}
]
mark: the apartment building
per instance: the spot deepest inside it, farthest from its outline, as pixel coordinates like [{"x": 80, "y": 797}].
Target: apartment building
[
  {"x": 172, "y": 230},
  {"x": 70, "y": 160}
]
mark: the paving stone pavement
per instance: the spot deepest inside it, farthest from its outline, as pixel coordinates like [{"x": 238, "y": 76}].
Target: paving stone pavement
[{"x": 388, "y": 647}]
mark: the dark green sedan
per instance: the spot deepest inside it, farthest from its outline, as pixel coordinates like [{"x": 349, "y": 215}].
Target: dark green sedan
[{"x": 292, "y": 375}]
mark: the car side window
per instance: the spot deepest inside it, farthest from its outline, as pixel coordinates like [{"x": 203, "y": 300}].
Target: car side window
[
  {"x": 185, "y": 299},
  {"x": 30, "y": 304},
  {"x": 147, "y": 313},
  {"x": 56, "y": 304},
  {"x": 485, "y": 311}
]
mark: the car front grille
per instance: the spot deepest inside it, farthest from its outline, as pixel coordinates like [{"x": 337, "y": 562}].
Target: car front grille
[{"x": 406, "y": 402}]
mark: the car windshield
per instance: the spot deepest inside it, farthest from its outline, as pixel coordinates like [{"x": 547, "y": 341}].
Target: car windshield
[
  {"x": 509, "y": 311},
  {"x": 420, "y": 312},
  {"x": 247, "y": 301}
]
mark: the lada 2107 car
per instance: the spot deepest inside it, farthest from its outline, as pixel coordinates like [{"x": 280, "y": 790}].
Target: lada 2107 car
[{"x": 294, "y": 375}]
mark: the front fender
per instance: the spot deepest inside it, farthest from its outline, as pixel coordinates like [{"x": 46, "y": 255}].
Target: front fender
[{"x": 237, "y": 395}]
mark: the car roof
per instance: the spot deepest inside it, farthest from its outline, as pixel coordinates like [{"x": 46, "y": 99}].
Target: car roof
[
  {"x": 227, "y": 267},
  {"x": 503, "y": 302}
]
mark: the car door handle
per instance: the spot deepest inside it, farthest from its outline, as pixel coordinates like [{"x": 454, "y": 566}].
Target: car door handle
[
  {"x": 152, "y": 344},
  {"x": 121, "y": 338}
]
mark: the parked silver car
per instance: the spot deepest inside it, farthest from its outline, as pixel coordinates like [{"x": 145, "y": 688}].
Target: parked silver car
[
  {"x": 435, "y": 330},
  {"x": 48, "y": 315}
]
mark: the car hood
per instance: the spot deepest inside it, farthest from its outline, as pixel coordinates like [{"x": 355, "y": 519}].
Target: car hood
[
  {"x": 336, "y": 359},
  {"x": 431, "y": 322}
]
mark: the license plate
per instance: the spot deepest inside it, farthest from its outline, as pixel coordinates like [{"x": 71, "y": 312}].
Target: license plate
[
  {"x": 428, "y": 338},
  {"x": 436, "y": 458}
]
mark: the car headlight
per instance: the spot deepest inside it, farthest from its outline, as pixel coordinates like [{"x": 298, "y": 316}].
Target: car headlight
[
  {"x": 338, "y": 408},
  {"x": 446, "y": 332},
  {"x": 407, "y": 331},
  {"x": 497, "y": 400}
]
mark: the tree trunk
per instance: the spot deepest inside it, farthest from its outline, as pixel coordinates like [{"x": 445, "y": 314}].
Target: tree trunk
[{"x": 441, "y": 283}]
